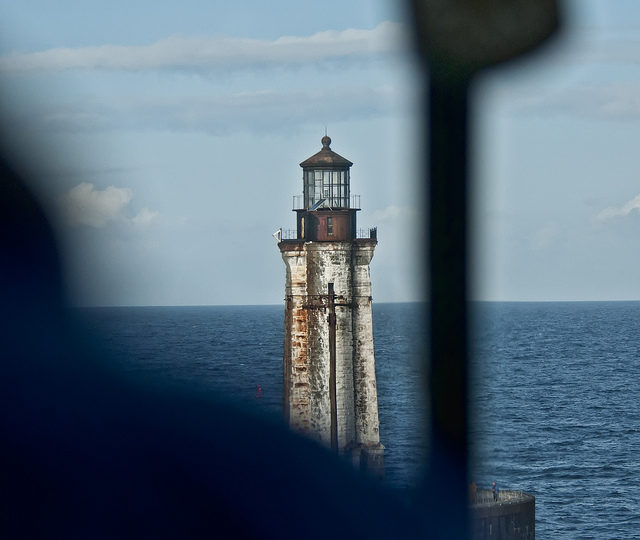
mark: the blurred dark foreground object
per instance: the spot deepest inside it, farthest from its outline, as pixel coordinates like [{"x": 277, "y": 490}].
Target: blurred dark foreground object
[
  {"x": 88, "y": 453},
  {"x": 456, "y": 39}
]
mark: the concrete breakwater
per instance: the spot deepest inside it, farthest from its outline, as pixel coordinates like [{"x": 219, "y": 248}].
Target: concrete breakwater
[{"x": 511, "y": 517}]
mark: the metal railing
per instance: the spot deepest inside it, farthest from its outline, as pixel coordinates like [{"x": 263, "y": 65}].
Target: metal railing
[
  {"x": 292, "y": 234},
  {"x": 371, "y": 233},
  {"x": 485, "y": 496},
  {"x": 354, "y": 202}
]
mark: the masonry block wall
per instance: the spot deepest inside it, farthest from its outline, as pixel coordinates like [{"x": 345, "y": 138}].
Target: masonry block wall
[
  {"x": 310, "y": 267},
  {"x": 512, "y": 517}
]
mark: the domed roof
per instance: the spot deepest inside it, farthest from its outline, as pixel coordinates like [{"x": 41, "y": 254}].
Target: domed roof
[{"x": 326, "y": 158}]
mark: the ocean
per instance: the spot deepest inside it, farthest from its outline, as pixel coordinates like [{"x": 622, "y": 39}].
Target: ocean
[{"x": 554, "y": 392}]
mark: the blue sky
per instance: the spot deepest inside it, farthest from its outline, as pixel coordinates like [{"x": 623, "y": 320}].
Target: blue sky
[{"x": 173, "y": 132}]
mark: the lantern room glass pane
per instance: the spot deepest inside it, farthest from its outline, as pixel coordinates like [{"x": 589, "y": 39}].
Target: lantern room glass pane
[{"x": 331, "y": 185}]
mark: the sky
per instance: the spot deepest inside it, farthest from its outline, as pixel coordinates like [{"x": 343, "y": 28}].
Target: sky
[{"x": 166, "y": 138}]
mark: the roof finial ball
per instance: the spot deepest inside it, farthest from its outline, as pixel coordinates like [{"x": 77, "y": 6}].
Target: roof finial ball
[{"x": 326, "y": 141}]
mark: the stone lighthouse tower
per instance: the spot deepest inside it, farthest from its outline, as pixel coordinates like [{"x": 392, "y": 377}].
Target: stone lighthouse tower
[{"x": 329, "y": 367}]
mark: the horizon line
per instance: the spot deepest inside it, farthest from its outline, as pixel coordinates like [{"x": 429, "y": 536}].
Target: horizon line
[{"x": 83, "y": 306}]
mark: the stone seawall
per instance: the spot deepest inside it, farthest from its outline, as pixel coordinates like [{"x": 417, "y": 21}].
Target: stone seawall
[{"x": 511, "y": 517}]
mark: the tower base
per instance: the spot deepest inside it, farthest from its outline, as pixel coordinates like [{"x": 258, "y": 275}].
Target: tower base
[{"x": 369, "y": 459}]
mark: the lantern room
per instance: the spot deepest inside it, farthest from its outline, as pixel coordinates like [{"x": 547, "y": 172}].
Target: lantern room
[
  {"x": 326, "y": 179},
  {"x": 326, "y": 212}
]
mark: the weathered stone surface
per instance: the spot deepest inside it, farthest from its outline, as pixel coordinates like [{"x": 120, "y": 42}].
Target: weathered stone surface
[
  {"x": 366, "y": 395},
  {"x": 311, "y": 266},
  {"x": 511, "y": 517}
]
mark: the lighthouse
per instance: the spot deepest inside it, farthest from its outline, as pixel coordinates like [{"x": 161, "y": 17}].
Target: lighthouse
[{"x": 329, "y": 379}]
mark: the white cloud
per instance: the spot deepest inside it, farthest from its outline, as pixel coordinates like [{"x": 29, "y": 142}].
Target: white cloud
[
  {"x": 86, "y": 205},
  {"x": 618, "y": 211},
  {"x": 202, "y": 53},
  {"x": 545, "y": 236},
  {"x": 144, "y": 217}
]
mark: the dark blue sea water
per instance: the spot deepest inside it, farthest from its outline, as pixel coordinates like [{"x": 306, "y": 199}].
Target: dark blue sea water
[
  {"x": 555, "y": 393},
  {"x": 556, "y": 397}
]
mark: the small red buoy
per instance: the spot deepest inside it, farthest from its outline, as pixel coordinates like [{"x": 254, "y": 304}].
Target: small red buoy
[{"x": 259, "y": 392}]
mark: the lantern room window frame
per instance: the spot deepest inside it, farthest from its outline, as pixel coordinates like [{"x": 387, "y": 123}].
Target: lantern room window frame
[{"x": 330, "y": 184}]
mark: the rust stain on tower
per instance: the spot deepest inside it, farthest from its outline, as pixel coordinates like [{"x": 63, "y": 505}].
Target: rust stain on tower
[{"x": 330, "y": 390}]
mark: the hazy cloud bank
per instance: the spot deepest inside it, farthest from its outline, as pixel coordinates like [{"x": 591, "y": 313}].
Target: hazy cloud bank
[
  {"x": 218, "y": 114},
  {"x": 393, "y": 213},
  {"x": 618, "y": 102},
  {"x": 209, "y": 52}
]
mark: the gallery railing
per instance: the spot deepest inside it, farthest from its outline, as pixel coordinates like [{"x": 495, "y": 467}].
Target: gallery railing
[{"x": 329, "y": 202}]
